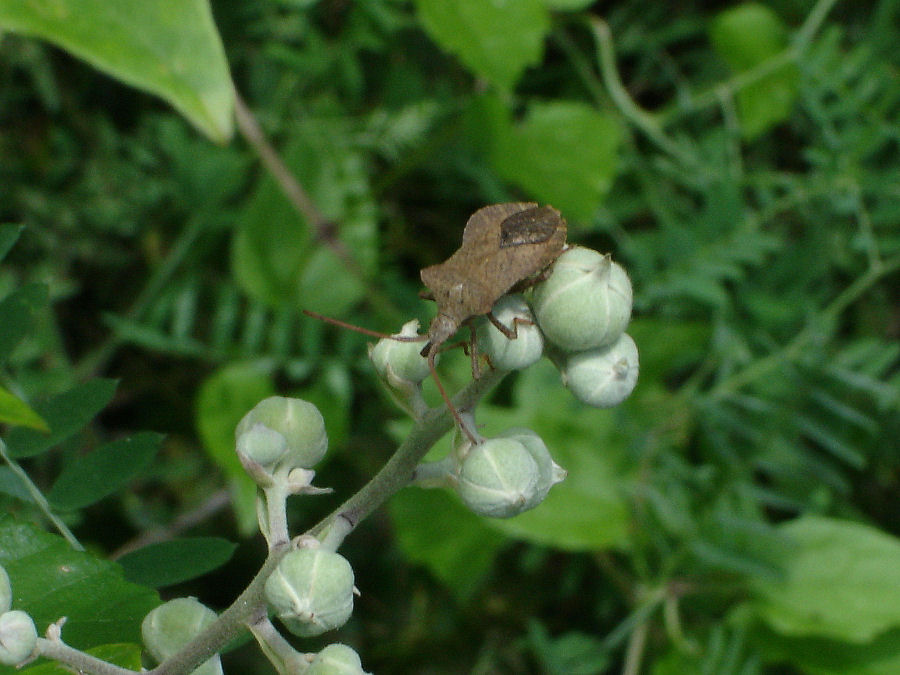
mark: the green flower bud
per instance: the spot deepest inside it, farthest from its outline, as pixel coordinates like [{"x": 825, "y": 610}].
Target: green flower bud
[
  {"x": 586, "y": 301},
  {"x": 400, "y": 363},
  {"x": 506, "y": 353},
  {"x": 336, "y": 659},
  {"x": 549, "y": 472},
  {"x": 603, "y": 377},
  {"x": 262, "y": 445},
  {"x": 498, "y": 478},
  {"x": 18, "y": 637},
  {"x": 5, "y": 591},
  {"x": 311, "y": 591},
  {"x": 172, "y": 625},
  {"x": 299, "y": 422}
]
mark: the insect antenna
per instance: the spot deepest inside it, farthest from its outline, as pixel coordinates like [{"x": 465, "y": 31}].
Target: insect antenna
[{"x": 364, "y": 331}]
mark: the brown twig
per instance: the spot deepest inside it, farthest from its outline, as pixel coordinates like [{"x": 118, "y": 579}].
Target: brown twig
[{"x": 325, "y": 230}]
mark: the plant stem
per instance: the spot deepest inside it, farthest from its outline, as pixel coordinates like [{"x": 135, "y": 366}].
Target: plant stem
[
  {"x": 739, "y": 81},
  {"x": 400, "y": 468},
  {"x": 39, "y": 499},
  {"x": 643, "y": 120},
  {"x": 78, "y": 660},
  {"x": 395, "y": 474}
]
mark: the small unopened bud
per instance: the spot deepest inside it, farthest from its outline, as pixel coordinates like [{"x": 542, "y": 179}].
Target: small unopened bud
[
  {"x": 18, "y": 637},
  {"x": 498, "y": 478},
  {"x": 336, "y": 659},
  {"x": 299, "y": 425},
  {"x": 603, "y": 377},
  {"x": 586, "y": 301},
  {"x": 549, "y": 472},
  {"x": 172, "y": 625},
  {"x": 311, "y": 591},
  {"x": 400, "y": 364},
  {"x": 262, "y": 445},
  {"x": 511, "y": 353}
]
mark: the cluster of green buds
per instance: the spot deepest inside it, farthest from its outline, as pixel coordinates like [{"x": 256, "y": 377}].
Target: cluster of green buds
[
  {"x": 582, "y": 309},
  {"x": 18, "y": 635}
]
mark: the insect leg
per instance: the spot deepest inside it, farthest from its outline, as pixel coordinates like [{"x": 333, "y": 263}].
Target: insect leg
[
  {"x": 456, "y": 416},
  {"x": 510, "y": 333}
]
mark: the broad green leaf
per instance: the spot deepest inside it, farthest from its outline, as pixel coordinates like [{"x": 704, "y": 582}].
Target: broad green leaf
[
  {"x": 65, "y": 414},
  {"x": 745, "y": 37},
  {"x": 124, "y": 655},
  {"x": 841, "y": 581},
  {"x": 9, "y": 234},
  {"x": 278, "y": 259},
  {"x": 434, "y": 529},
  {"x": 17, "y": 413},
  {"x": 171, "y": 562},
  {"x": 563, "y": 153},
  {"x": 52, "y": 580},
  {"x": 495, "y": 40},
  {"x": 17, "y": 312},
  {"x": 102, "y": 472},
  {"x": 169, "y": 47}
]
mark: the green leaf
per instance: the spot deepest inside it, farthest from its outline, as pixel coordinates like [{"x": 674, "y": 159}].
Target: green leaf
[
  {"x": 434, "y": 529},
  {"x": 563, "y": 153},
  {"x": 52, "y": 580},
  {"x": 104, "y": 471},
  {"x": 171, "y": 562},
  {"x": 277, "y": 257},
  {"x": 123, "y": 655},
  {"x": 9, "y": 234},
  {"x": 495, "y": 40},
  {"x": 170, "y": 48},
  {"x": 222, "y": 400},
  {"x": 65, "y": 414},
  {"x": 841, "y": 581},
  {"x": 17, "y": 312},
  {"x": 746, "y": 36},
  {"x": 15, "y": 412},
  {"x": 820, "y": 656},
  {"x": 571, "y": 653}
]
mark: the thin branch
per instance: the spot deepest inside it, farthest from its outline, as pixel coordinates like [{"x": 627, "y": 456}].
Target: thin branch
[
  {"x": 324, "y": 229},
  {"x": 645, "y": 121},
  {"x": 742, "y": 80},
  {"x": 215, "y": 503},
  {"x": 39, "y": 498},
  {"x": 395, "y": 474},
  {"x": 78, "y": 660}
]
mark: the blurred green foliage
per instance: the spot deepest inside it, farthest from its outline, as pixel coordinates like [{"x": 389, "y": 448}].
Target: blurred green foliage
[{"x": 739, "y": 514}]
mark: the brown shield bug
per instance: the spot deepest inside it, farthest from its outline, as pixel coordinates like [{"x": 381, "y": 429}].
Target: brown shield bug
[{"x": 504, "y": 246}]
